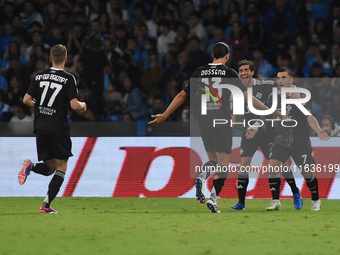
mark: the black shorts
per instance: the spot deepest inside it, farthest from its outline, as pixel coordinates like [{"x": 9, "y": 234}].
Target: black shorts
[
  {"x": 250, "y": 146},
  {"x": 302, "y": 155},
  {"x": 51, "y": 144},
  {"x": 217, "y": 140}
]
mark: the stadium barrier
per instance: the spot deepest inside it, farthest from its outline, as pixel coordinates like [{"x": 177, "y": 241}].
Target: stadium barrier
[{"x": 147, "y": 167}]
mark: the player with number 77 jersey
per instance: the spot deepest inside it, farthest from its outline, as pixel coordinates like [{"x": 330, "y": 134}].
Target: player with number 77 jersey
[{"x": 50, "y": 94}]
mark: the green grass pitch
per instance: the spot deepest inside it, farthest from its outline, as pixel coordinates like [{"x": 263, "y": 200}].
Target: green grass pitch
[{"x": 166, "y": 226}]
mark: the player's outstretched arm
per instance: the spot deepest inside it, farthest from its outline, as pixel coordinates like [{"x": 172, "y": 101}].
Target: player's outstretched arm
[
  {"x": 29, "y": 101},
  {"x": 178, "y": 100},
  {"x": 78, "y": 106},
  {"x": 313, "y": 123}
]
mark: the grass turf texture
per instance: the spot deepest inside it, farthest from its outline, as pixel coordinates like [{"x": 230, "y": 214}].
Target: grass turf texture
[{"x": 166, "y": 226}]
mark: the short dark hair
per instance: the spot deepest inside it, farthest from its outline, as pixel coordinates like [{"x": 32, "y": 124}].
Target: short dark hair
[
  {"x": 166, "y": 23},
  {"x": 244, "y": 62},
  {"x": 327, "y": 117},
  {"x": 288, "y": 70},
  {"x": 220, "y": 50}
]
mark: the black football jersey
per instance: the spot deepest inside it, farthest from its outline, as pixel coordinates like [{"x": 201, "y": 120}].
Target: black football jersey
[
  {"x": 294, "y": 131},
  {"x": 262, "y": 90},
  {"x": 52, "y": 89},
  {"x": 215, "y": 79}
]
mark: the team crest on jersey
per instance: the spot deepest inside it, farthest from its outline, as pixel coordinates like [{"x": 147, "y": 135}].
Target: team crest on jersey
[
  {"x": 259, "y": 95},
  {"x": 289, "y": 108}
]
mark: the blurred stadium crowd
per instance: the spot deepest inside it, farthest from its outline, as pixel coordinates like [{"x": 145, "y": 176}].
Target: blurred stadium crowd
[{"x": 131, "y": 57}]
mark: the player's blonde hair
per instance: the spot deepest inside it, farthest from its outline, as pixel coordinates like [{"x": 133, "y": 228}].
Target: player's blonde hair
[{"x": 58, "y": 54}]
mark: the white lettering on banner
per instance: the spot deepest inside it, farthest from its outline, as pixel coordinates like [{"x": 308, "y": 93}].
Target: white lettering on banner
[{"x": 111, "y": 159}]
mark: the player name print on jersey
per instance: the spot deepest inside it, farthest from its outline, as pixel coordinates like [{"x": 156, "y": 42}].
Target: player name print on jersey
[{"x": 53, "y": 77}]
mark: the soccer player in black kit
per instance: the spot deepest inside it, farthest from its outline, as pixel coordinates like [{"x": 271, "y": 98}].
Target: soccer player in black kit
[
  {"x": 50, "y": 94},
  {"x": 256, "y": 136},
  {"x": 293, "y": 141},
  {"x": 217, "y": 140}
]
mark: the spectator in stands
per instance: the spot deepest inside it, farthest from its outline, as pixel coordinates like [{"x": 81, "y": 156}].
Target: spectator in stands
[
  {"x": 316, "y": 71},
  {"x": 197, "y": 28},
  {"x": 29, "y": 15},
  {"x": 142, "y": 35},
  {"x": 7, "y": 38},
  {"x": 197, "y": 57},
  {"x": 334, "y": 57},
  {"x": 283, "y": 60},
  {"x": 151, "y": 77},
  {"x": 117, "y": 18},
  {"x": 335, "y": 21},
  {"x": 92, "y": 114},
  {"x": 92, "y": 10},
  {"x": 111, "y": 55},
  {"x": 217, "y": 36},
  {"x": 212, "y": 19},
  {"x": 280, "y": 24},
  {"x": 132, "y": 45},
  {"x": 133, "y": 102},
  {"x": 181, "y": 38},
  {"x": 19, "y": 71},
  {"x": 70, "y": 66},
  {"x": 104, "y": 19},
  {"x": 55, "y": 37},
  {"x": 3, "y": 106},
  {"x": 158, "y": 106},
  {"x": 262, "y": 67},
  {"x": 96, "y": 33},
  {"x": 13, "y": 50},
  {"x": 20, "y": 113},
  {"x": 50, "y": 15},
  {"x": 187, "y": 8},
  {"x": 6, "y": 11},
  {"x": 122, "y": 36},
  {"x": 336, "y": 79},
  {"x": 150, "y": 46},
  {"x": 327, "y": 122},
  {"x": 167, "y": 36},
  {"x": 37, "y": 41},
  {"x": 40, "y": 52},
  {"x": 322, "y": 92},
  {"x": 238, "y": 42},
  {"x": 15, "y": 91},
  {"x": 127, "y": 117},
  {"x": 254, "y": 31},
  {"x": 334, "y": 109},
  {"x": 75, "y": 38},
  {"x": 40, "y": 65},
  {"x": 126, "y": 68},
  {"x": 113, "y": 99},
  {"x": 336, "y": 35},
  {"x": 92, "y": 65},
  {"x": 176, "y": 74},
  {"x": 3, "y": 83}
]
